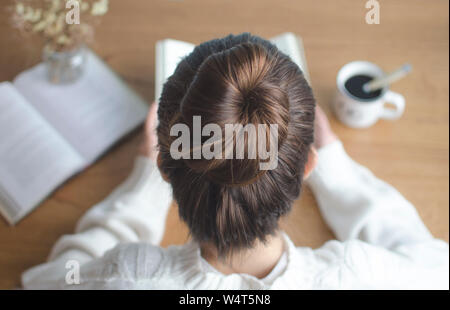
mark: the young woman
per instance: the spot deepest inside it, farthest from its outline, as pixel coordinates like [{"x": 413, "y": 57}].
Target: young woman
[{"x": 232, "y": 207}]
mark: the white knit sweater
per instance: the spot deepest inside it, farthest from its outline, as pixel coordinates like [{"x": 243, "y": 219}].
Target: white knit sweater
[{"x": 382, "y": 243}]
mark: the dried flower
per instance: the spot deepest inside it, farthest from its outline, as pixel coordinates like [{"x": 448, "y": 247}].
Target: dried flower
[
  {"x": 99, "y": 8},
  {"x": 48, "y": 19},
  {"x": 20, "y": 8},
  {"x": 84, "y": 6}
]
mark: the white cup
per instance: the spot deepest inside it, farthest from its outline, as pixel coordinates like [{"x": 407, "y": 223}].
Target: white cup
[{"x": 362, "y": 113}]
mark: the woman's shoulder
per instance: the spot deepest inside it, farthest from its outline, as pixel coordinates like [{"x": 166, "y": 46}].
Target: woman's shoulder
[
  {"x": 330, "y": 266},
  {"x": 140, "y": 263},
  {"x": 128, "y": 266},
  {"x": 146, "y": 266}
]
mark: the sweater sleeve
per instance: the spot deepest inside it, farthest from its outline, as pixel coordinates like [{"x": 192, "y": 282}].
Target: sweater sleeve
[
  {"x": 135, "y": 211},
  {"x": 357, "y": 205},
  {"x": 380, "y": 229}
]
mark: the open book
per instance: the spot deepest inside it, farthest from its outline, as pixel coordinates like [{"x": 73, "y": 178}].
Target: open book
[
  {"x": 50, "y": 132},
  {"x": 169, "y": 52}
]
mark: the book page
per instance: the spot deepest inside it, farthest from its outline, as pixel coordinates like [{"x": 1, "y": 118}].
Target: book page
[
  {"x": 34, "y": 158},
  {"x": 92, "y": 113},
  {"x": 292, "y": 45},
  {"x": 169, "y": 52}
]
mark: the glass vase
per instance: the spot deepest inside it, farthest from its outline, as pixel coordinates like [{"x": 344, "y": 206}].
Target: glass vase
[{"x": 64, "y": 67}]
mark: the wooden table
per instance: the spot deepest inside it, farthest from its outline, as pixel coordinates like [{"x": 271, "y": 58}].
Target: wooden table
[{"x": 412, "y": 153}]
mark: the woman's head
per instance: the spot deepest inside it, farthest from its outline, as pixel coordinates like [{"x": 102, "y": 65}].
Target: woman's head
[{"x": 237, "y": 80}]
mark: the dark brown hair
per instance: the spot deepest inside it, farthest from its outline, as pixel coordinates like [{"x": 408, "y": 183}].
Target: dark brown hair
[{"x": 239, "y": 79}]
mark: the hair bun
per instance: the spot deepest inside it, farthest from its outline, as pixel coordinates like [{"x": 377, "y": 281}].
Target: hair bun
[{"x": 236, "y": 87}]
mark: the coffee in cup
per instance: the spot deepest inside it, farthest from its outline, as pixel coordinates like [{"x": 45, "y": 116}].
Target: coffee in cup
[{"x": 357, "y": 108}]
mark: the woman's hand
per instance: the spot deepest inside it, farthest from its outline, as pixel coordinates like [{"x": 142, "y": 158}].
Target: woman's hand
[
  {"x": 323, "y": 134},
  {"x": 149, "y": 146}
]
